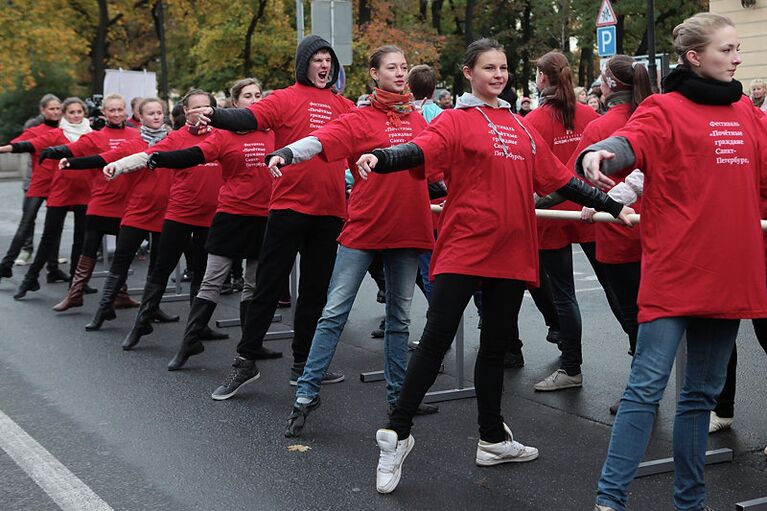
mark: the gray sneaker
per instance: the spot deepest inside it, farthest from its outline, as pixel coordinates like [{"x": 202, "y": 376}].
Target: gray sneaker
[
  {"x": 559, "y": 380},
  {"x": 244, "y": 371}
]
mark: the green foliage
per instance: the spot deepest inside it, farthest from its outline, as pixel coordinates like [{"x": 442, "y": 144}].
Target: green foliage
[{"x": 21, "y": 103}]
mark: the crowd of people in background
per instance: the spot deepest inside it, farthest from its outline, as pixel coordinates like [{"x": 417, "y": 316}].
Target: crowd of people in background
[{"x": 419, "y": 190}]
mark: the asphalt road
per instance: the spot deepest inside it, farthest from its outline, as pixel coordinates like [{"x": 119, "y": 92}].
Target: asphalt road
[{"x": 142, "y": 438}]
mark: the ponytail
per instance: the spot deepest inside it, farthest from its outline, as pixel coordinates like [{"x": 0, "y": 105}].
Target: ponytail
[
  {"x": 642, "y": 86},
  {"x": 557, "y": 69},
  {"x": 623, "y": 73}
]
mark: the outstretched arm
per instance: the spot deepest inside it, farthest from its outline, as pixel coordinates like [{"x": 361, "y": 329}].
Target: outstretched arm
[
  {"x": 231, "y": 119},
  {"x": 181, "y": 159},
  {"x": 392, "y": 159}
]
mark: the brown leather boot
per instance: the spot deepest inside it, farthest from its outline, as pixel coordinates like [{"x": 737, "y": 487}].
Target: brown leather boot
[
  {"x": 82, "y": 275},
  {"x": 123, "y": 300}
]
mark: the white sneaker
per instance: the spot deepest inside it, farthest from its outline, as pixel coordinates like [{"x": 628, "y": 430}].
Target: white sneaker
[
  {"x": 24, "y": 259},
  {"x": 559, "y": 380},
  {"x": 507, "y": 451},
  {"x": 597, "y": 507},
  {"x": 393, "y": 454},
  {"x": 765, "y": 451},
  {"x": 716, "y": 423}
]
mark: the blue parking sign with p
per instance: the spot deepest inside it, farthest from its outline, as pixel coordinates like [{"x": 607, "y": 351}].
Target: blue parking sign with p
[{"x": 606, "y": 43}]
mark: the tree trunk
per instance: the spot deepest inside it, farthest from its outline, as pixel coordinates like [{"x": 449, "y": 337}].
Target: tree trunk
[
  {"x": 423, "y": 7},
  {"x": 99, "y": 49},
  {"x": 364, "y": 13},
  {"x": 247, "y": 56},
  {"x": 436, "y": 15},
  {"x": 158, "y": 15},
  {"x": 586, "y": 67},
  {"x": 527, "y": 34},
  {"x": 619, "y": 35},
  {"x": 468, "y": 26},
  {"x": 565, "y": 41}
]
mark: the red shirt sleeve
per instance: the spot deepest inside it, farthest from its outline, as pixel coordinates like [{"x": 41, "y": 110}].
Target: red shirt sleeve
[
  {"x": 125, "y": 149},
  {"x": 436, "y": 142},
  {"x": 268, "y": 111},
  {"x": 648, "y": 133},
  {"x": 85, "y": 145},
  {"x": 342, "y": 137},
  {"x": 212, "y": 146},
  {"x": 45, "y": 140},
  {"x": 549, "y": 174}
]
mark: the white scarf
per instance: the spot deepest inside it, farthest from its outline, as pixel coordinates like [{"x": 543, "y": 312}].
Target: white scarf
[{"x": 74, "y": 131}]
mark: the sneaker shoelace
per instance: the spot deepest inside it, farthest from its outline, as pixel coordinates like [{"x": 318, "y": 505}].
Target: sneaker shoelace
[
  {"x": 386, "y": 460},
  {"x": 232, "y": 376}
]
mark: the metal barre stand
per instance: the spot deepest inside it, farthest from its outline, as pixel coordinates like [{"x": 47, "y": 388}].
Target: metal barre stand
[
  {"x": 178, "y": 296},
  {"x": 281, "y": 334},
  {"x": 459, "y": 392}
]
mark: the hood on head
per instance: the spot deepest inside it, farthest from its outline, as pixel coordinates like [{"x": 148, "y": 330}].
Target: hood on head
[{"x": 308, "y": 47}]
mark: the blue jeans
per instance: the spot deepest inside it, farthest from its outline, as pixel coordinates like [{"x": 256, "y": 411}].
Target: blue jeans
[
  {"x": 709, "y": 344},
  {"x": 424, "y": 261},
  {"x": 400, "y": 268}
]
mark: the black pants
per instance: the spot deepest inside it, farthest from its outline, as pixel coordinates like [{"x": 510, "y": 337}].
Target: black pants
[
  {"x": 129, "y": 240},
  {"x": 544, "y": 301},
  {"x": 26, "y": 228},
  {"x": 624, "y": 282},
  {"x": 96, "y": 227},
  {"x": 501, "y": 299},
  {"x": 179, "y": 238},
  {"x": 49, "y": 242},
  {"x": 289, "y": 233},
  {"x": 558, "y": 264},
  {"x": 725, "y": 403}
]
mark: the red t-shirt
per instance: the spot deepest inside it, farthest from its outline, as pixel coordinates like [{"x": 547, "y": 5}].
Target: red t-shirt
[
  {"x": 616, "y": 244},
  {"x": 313, "y": 187},
  {"x": 42, "y": 173},
  {"x": 147, "y": 202},
  {"x": 247, "y": 182},
  {"x": 386, "y": 210},
  {"x": 108, "y": 198},
  {"x": 554, "y": 234},
  {"x": 702, "y": 247},
  {"x": 67, "y": 188},
  {"x": 194, "y": 190},
  {"x": 488, "y": 223}
]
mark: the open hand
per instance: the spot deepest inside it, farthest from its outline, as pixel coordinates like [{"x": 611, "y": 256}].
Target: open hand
[
  {"x": 592, "y": 163},
  {"x": 274, "y": 164}
]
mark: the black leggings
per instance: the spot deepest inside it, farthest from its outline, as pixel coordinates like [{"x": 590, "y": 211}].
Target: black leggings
[
  {"x": 624, "y": 281},
  {"x": 129, "y": 240},
  {"x": 179, "y": 238},
  {"x": 49, "y": 243},
  {"x": 95, "y": 229},
  {"x": 725, "y": 403},
  {"x": 26, "y": 230},
  {"x": 501, "y": 300}
]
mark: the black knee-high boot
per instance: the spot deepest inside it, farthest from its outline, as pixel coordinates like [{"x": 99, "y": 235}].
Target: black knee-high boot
[
  {"x": 199, "y": 315},
  {"x": 149, "y": 302},
  {"x": 106, "y": 312}
]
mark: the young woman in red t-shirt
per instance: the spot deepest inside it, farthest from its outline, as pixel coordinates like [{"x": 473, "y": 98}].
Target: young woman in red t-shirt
[
  {"x": 492, "y": 163},
  {"x": 561, "y": 120},
  {"x": 39, "y": 188},
  {"x": 191, "y": 204},
  {"x": 237, "y": 228},
  {"x": 68, "y": 192},
  {"x": 625, "y": 84},
  {"x": 143, "y": 213},
  {"x": 107, "y": 200},
  {"x": 703, "y": 152},
  {"x": 389, "y": 215}
]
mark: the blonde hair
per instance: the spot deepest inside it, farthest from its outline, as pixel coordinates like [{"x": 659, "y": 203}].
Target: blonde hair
[
  {"x": 112, "y": 96},
  {"x": 694, "y": 33},
  {"x": 757, "y": 82}
]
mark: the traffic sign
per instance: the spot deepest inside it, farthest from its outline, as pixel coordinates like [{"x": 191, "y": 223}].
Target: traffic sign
[
  {"x": 341, "y": 82},
  {"x": 606, "y": 41},
  {"x": 606, "y": 15}
]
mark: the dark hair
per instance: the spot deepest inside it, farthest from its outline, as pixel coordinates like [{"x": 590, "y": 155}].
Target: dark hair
[
  {"x": 146, "y": 101},
  {"x": 177, "y": 116},
  {"x": 377, "y": 55},
  {"x": 632, "y": 74},
  {"x": 239, "y": 85},
  {"x": 557, "y": 69},
  {"x": 197, "y": 92},
  {"x": 479, "y": 47},
  {"x": 422, "y": 81}
]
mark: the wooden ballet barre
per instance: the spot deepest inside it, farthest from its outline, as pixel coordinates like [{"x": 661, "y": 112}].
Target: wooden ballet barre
[{"x": 554, "y": 214}]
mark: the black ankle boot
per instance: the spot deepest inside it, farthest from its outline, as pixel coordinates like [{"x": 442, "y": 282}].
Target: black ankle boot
[
  {"x": 199, "y": 315},
  {"x": 208, "y": 334},
  {"x": 161, "y": 316},
  {"x": 55, "y": 276},
  {"x": 143, "y": 326},
  {"x": 28, "y": 284},
  {"x": 106, "y": 312}
]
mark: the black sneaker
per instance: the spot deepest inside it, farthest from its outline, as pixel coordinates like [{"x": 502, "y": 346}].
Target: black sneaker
[
  {"x": 512, "y": 360},
  {"x": 378, "y": 333},
  {"x": 423, "y": 409},
  {"x": 614, "y": 407},
  {"x": 244, "y": 372},
  {"x": 553, "y": 336},
  {"x": 329, "y": 377},
  {"x": 298, "y": 417}
]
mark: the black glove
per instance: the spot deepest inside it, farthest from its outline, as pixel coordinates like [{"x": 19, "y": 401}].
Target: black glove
[{"x": 55, "y": 153}]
